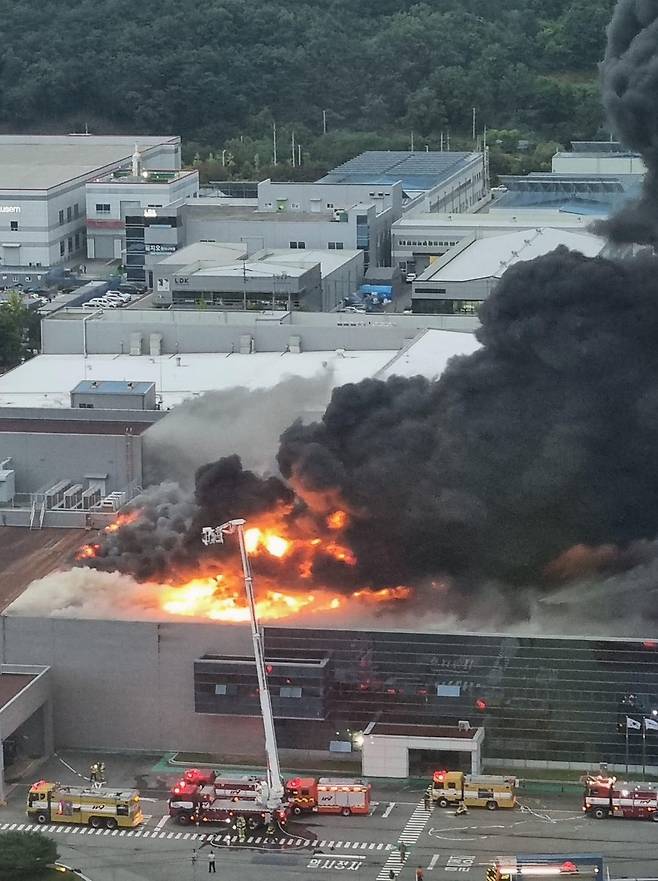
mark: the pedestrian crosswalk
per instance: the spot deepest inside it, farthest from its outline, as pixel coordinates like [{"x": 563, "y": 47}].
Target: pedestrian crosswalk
[
  {"x": 159, "y": 833},
  {"x": 410, "y": 834}
]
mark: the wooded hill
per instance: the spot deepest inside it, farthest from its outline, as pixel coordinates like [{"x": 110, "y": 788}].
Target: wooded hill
[{"x": 221, "y": 68}]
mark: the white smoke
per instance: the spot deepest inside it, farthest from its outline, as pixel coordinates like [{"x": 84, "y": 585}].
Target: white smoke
[
  {"x": 216, "y": 424},
  {"x": 92, "y": 594}
]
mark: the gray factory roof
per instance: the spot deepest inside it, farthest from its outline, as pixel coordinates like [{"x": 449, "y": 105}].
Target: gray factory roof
[
  {"x": 111, "y": 387},
  {"x": 418, "y": 170},
  {"x": 222, "y": 252},
  {"x": 29, "y": 162}
]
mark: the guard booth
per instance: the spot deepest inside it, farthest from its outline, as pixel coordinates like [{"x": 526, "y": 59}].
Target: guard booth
[
  {"x": 388, "y": 749},
  {"x": 26, "y": 728}
]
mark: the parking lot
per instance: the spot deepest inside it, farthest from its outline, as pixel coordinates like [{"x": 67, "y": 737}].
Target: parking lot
[{"x": 444, "y": 845}]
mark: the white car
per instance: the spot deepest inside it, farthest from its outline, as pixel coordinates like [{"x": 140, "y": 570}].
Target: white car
[
  {"x": 411, "y": 276},
  {"x": 120, "y": 295}
]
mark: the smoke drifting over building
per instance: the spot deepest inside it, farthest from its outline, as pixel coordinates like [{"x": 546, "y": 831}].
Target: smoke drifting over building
[
  {"x": 528, "y": 465},
  {"x": 630, "y": 97}
]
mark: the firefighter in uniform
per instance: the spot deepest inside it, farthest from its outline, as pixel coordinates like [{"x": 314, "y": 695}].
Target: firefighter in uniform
[{"x": 241, "y": 826}]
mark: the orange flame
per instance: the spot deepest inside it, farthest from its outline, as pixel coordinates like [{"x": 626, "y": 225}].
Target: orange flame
[
  {"x": 123, "y": 520},
  {"x": 87, "y": 552},
  {"x": 337, "y": 520}
]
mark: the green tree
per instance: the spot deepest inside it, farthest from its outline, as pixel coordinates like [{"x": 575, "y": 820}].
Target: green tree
[{"x": 24, "y": 856}]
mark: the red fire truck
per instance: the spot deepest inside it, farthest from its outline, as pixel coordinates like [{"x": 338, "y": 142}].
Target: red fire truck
[
  {"x": 203, "y": 797},
  {"x": 328, "y": 796},
  {"x": 609, "y": 797}
]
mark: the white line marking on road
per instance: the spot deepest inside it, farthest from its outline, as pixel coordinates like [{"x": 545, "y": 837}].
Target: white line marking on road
[
  {"x": 116, "y": 832},
  {"x": 387, "y": 812},
  {"x": 161, "y": 822},
  {"x": 433, "y": 862},
  {"x": 13, "y": 826}
]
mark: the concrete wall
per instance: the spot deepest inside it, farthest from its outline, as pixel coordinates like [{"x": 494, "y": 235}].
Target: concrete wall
[
  {"x": 220, "y": 331},
  {"x": 126, "y": 685},
  {"x": 41, "y": 460}
]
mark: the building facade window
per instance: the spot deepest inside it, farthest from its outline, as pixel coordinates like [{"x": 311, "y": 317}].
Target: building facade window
[
  {"x": 77, "y": 241},
  {"x": 13, "y": 225},
  {"x": 62, "y": 248},
  {"x": 69, "y": 214},
  {"x": 76, "y": 210},
  {"x": 61, "y": 217},
  {"x": 102, "y": 208},
  {"x": 296, "y": 245}
]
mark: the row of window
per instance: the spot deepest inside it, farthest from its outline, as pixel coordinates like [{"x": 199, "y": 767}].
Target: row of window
[
  {"x": 335, "y": 246},
  {"x": 231, "y": 688},
  {"x": 69, "y": 245},
  {"x": 72, "y": 212},
  {"x": 103, "y": 207},
  {"x": 445, "y": 307},
  {"x": 428, "y": 243},
  {"x": 300, "y": 245}
]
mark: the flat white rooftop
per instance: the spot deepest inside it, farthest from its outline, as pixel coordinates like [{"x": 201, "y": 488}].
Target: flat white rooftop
[
  {"x": 492, "y": 220},
  {"x": 47, "y": 380},
  {"x": 40, "y": 162}
]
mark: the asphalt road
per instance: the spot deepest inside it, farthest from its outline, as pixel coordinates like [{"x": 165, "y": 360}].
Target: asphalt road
[{"x": 331, "y": 847}]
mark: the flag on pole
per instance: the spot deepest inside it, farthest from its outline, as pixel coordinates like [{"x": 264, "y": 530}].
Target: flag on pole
[
  {"x": 651, "y": 724},
  {"x": 633, "y": 723}
]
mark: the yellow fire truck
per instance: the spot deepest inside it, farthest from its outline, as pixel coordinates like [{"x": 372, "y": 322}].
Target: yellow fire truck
[
  {"x": 103, "y": 807},
  {"x": 483, "y": 791}
]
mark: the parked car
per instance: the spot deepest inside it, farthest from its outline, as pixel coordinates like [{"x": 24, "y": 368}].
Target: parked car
[{"x": 411, "y": 276}]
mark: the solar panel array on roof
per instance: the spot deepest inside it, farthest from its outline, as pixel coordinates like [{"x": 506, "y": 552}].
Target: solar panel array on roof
[{"x": 418, "y": 170}]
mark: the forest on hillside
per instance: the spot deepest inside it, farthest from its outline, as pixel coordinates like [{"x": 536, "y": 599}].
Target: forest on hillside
[{"x": 225, "y": 69}]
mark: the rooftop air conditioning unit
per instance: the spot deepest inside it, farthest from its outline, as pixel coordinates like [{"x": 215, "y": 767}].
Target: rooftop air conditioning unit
[
  {"x": 155, "y": 344},
  {"x": 295, "y": 345},
  {"x": 135, "y": 344},
  {"x": 464, "y": 725}
]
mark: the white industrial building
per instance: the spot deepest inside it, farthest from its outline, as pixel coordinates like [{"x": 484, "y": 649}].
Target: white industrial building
[
  {"x": 419, "y": 240},
  {"x": 597, "y": 157},
  {"x": 42, "y": 191},
  {"x": 431, "y": 180},
  {"x": 223, "y": 275},
  {"x": 117, "y": 202},
  {"x": 458, "y": 282}
]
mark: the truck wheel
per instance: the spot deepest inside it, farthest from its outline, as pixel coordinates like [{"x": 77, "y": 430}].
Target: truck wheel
[
  {"x": 492, "y": 805},
  {"x": 252, "y": 824},
  {"x": 346, "y": 812},
  {"x": 600, "y": 813},
  {"x": 443, "y": 802},
  {"x": 96, "y": 822},
  {"x": 111, "y": 823},
  {"x": 654, "y": 816},
  {"x": 41, "y": 818},
  {"x": 296, "y": 810},
  {"x": 183, "y": 820}
]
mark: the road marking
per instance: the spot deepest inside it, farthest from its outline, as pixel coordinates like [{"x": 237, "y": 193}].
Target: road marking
[
  {"x": 410, "y": 835},
  {"x": 161, "y": 822},
  {"x": 387, "y": 812},
  {"x": 433, "y": 862}
]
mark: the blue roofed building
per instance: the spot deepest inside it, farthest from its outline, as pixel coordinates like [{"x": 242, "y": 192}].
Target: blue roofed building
[{"x": 446, "y": 181}]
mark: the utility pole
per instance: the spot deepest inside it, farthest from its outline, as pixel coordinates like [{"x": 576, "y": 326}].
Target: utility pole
[
  {"x": 448, "y": 137},
  {"x": 324, "y": 122},
  {"x": 474, "y": 123},
  {"x": 273, "y": 143},
  {"x": 299, "y": 154},
  {"x": 412, "y": 142},
  {"x": 442, "y": 142},
  {"x": 293, "y": 147},
  {"x": 244, "y": 285}
]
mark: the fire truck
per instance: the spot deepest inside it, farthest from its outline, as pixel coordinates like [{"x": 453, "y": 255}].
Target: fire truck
[
  {"x": 484, "y": 791},
  {"x": 223, "y": 786},
  {"x": 609, "y": 797},
  {"x": 195, "y": 803},
  {"x": 549, "y": 866},
  {"x": 328, "y": 796},
  {"x": 103, "y": 807}
]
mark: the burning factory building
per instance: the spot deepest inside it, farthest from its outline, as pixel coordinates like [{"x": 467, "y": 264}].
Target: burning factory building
[{"x": 413, "y": 547}]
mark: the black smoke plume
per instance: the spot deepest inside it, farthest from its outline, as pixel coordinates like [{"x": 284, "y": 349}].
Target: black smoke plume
[
  {"x": 545, "y": 438},
  {"x": 630, "y": 97}
]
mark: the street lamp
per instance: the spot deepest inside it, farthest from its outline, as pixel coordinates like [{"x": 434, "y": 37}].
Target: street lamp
[{"x": 273, "y": 790}]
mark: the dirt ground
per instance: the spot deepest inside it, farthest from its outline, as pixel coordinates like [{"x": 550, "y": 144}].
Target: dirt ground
[{"x": 28, "y": 554}]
